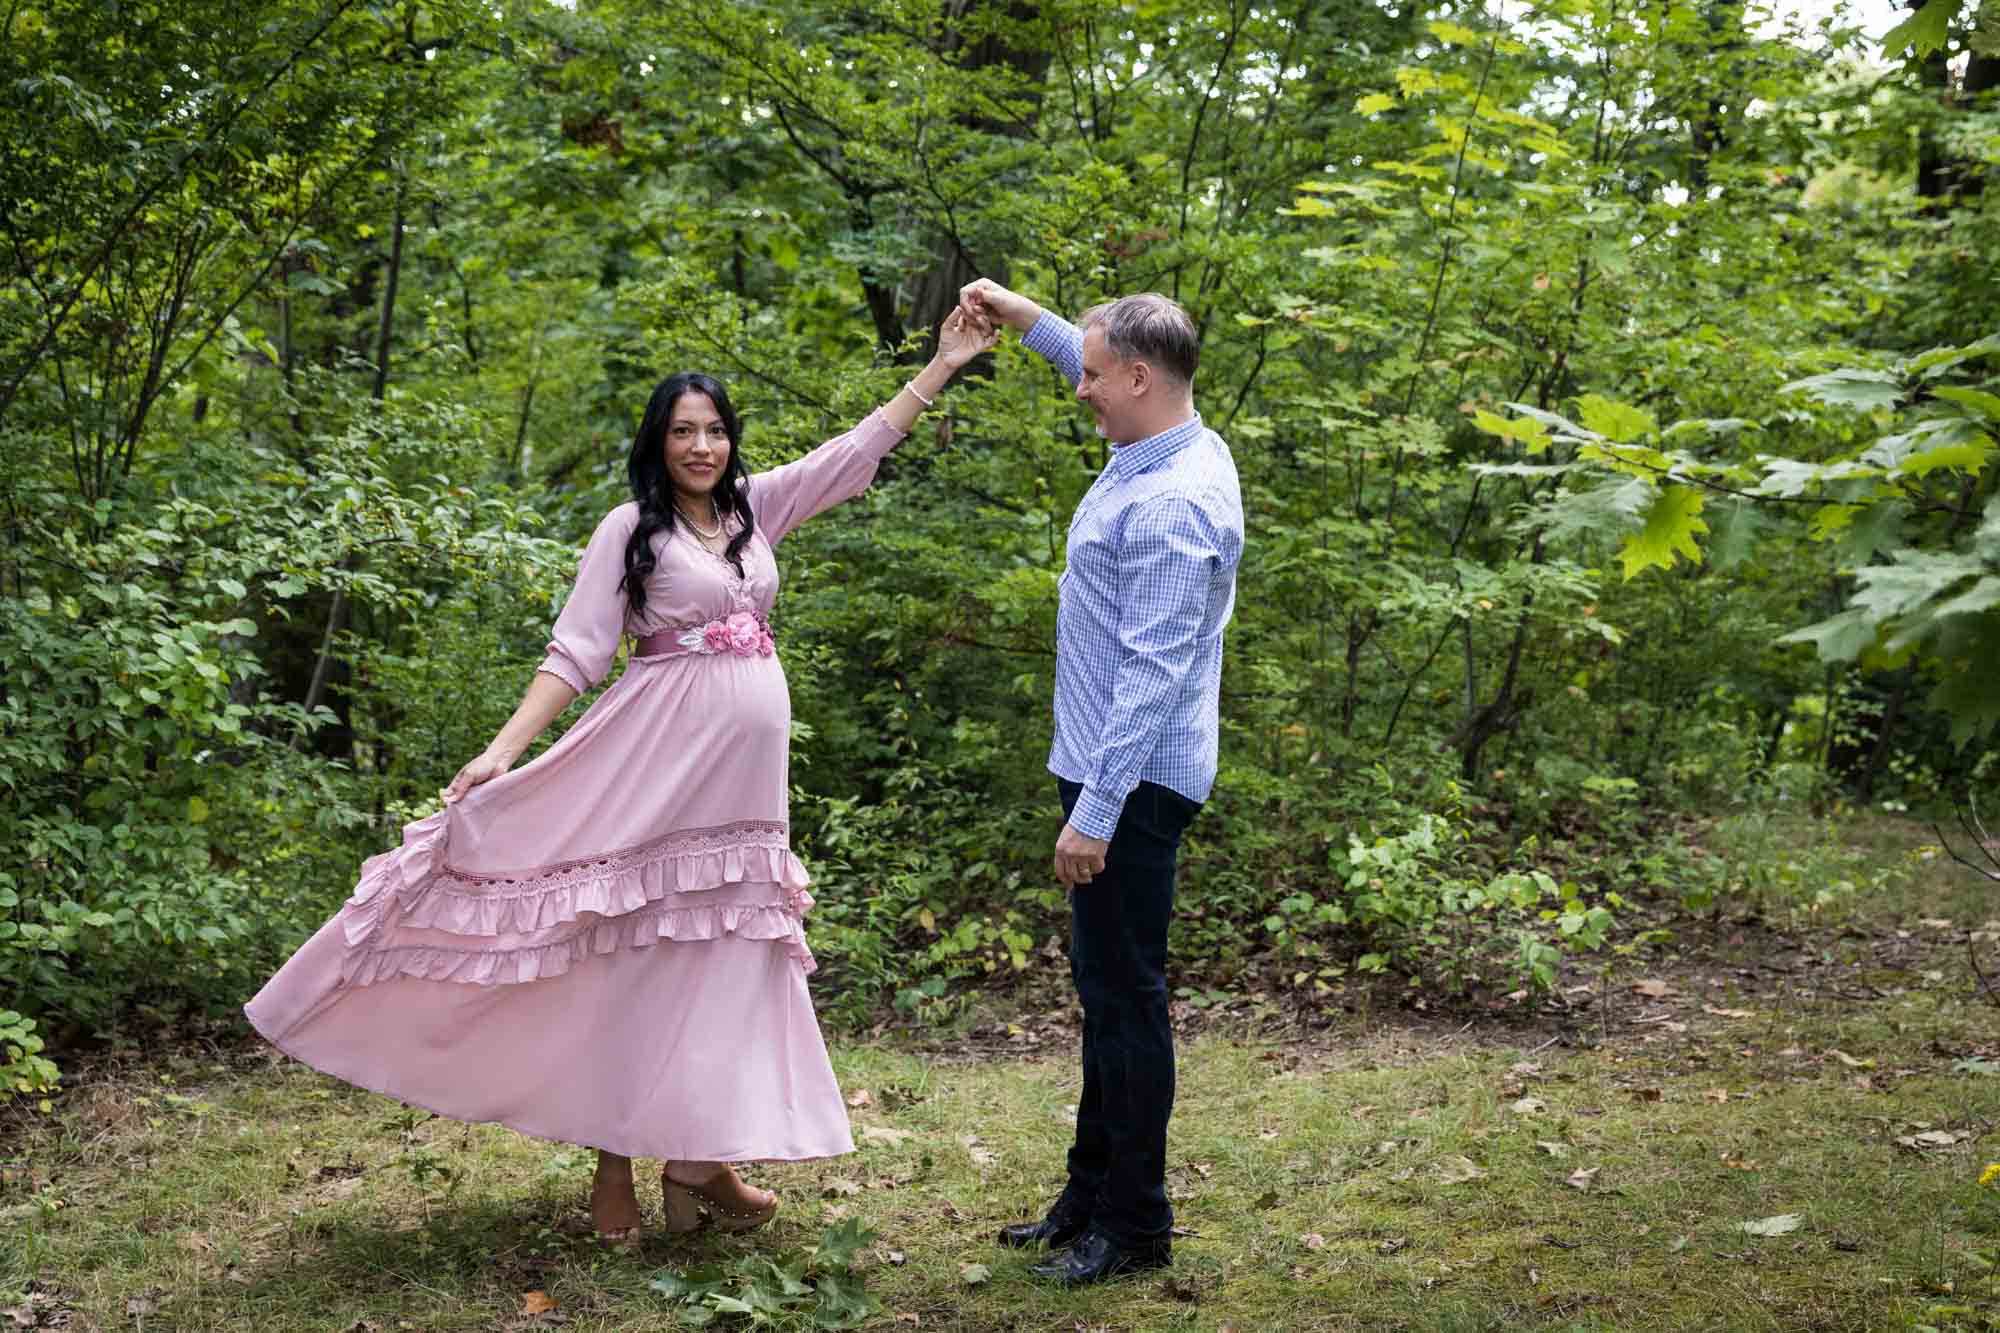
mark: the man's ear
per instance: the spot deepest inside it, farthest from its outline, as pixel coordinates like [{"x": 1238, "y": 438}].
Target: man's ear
[{"x": 1142, "y": 378}]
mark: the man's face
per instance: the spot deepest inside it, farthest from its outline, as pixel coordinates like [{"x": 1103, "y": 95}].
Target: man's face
[{"x": 1106, "y": 388}]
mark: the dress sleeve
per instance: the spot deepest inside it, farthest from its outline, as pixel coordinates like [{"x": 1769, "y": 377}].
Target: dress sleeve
[
  {"x": 587, "y": 631},
  {"x": 840, "y": 469}
]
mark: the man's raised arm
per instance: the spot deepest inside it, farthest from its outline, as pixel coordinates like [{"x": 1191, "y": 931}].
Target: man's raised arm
[
  {"x": 1048, "y": 335},
  {"x": 987, "y": 302}
]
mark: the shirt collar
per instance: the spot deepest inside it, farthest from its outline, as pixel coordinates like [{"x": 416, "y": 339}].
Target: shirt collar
[{"x": 1129, "y": 460}]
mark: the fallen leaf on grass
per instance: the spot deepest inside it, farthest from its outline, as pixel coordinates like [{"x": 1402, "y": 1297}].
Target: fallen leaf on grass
[
  {"x": 1393, "y": 1244},
  {"x": 1457, "y": 1169},
  {"x": 1652, "y": 988},
  {"x": 537, "y": 1302},
  {"x": 1647, "y": 1094},
  {"x": 1783, "y": 1224},
  {"x": 981, "y": 1154},
  {"x": 839, "y": 1188},
  {"x": 1267, "y": 1134},
  {"x": 1716, "y": 1095},
  {"x": 1849, "y": 1060},
  {"x": 907, "y": 1317},
  {"x": 1312, "y": 1240},
  {"x": 859, "y": 1098},
  {"x": 1727, "y": 1013},
  {"x": 1930, "y": 1138},
  {"x": 1555, "y": 1150},
  {"x": 1583, "y": 1178},
  {"x": 141, "y": 1306},
  {"x": 1268, "y": 1199},
  {"x": 884, "y": 1134},
  {"x": 973, "y": 1275},
  {"x": 1528, "y": 1106}
]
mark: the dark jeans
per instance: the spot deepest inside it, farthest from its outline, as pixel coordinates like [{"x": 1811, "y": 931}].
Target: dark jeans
[{"x": 1118, "y": 958}]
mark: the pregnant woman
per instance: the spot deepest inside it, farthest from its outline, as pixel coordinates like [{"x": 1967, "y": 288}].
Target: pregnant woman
[{"x": 606, "y": 946}]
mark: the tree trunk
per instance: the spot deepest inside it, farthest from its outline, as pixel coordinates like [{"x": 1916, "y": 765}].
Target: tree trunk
[
  {"x": 952, "y": 265},
  {"x": 1942, "y": 178}
]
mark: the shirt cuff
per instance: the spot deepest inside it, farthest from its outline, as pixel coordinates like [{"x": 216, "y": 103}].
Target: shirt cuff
[{"x": 1095, "y": 815}]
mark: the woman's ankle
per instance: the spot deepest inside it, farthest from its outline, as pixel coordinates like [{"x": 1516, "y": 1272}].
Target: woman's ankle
[{"x": 694, "y": 1173}]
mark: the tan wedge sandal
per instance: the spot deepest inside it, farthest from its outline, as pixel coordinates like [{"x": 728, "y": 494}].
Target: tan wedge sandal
[{"x": 733, "y": 1205}]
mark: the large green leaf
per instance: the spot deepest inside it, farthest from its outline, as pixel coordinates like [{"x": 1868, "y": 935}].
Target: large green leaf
[
  {"x": 1839, "y": 638},
  {"x": 1866, "y": 389},
  {"x": 1615, "y": 421},
  {"x": 1915, "y": 577},
  {"x": 1608, "y": 508},
  {"x": 1970, "y": 458},
  {"x": 1981, "y": 596},
  {"x": 1922, "y": 32},
  {"x": 1977, "y": 402},
  {"x": 1671, "y": 526}
]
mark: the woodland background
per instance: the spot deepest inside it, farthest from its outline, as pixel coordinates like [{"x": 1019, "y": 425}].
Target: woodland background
[{"x": 1612, "y": 384}]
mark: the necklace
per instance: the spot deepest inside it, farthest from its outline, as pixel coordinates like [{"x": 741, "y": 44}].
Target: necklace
[{"x": 706, "y": 534}]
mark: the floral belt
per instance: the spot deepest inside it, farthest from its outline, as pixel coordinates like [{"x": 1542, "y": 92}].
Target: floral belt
[{"x": 741, "y": 633}]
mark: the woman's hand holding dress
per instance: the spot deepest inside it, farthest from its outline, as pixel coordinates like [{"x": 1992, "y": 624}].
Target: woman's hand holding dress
[{"x": 547, "y": 696}]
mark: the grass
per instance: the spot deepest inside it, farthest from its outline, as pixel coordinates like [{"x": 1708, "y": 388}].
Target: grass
[
  {"x": 1319, "y": 1184},
  {"x": 1848, "y": 865},
  {"x": 1588, "y": 1169}
]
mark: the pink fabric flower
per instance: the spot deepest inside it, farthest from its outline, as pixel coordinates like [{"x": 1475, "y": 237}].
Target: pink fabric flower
[
  {"x": 715, "y": 636},
  {"x": 766, "y": 645},
  {"x": 744, "y": 633}
]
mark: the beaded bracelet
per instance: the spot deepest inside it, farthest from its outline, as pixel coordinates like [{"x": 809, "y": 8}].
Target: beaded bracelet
[{"x": 927, "y": 402}]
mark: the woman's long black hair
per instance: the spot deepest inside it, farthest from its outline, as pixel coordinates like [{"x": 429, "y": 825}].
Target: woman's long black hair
[{"x": 653, "y": 488}]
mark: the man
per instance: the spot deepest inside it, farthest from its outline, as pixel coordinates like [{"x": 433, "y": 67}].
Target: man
[{"x": 1150, "y": 582}]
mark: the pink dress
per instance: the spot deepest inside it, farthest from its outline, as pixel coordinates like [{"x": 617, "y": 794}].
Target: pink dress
[{"x": 605, "y": 946}]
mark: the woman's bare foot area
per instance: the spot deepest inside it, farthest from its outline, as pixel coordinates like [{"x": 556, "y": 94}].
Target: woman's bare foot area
[{"x": 614, "y": 1204}]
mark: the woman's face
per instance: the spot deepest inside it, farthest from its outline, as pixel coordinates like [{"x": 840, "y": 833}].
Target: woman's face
[{"x": 697, "y": 447}]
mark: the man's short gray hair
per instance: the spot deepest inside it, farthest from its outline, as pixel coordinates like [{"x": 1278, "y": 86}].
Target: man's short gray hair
[{"x": 1148, "y": 327}]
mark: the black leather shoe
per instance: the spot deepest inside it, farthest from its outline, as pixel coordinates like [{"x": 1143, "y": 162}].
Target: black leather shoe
[
  {"x": 1065, "y": 1222},
  {"x": 1096, "y": 1257}
]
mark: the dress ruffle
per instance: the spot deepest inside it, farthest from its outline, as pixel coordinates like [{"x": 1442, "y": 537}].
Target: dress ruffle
[
  {"x": 636, "y": 930},
  {"x": 626, "y": 889}
]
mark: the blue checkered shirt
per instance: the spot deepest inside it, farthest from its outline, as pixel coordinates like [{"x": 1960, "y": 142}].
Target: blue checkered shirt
[{"x": 1150, "y": 582}]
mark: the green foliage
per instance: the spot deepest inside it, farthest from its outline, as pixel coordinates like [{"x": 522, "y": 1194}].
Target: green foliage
[
  {"x": 1917, "y": 473},
  {"x": 1404, "y": 895},
  {"x": 324, "y": 329},
  {"x": 24, "y": 1070},
  {"x": 818, "y": 1289}
]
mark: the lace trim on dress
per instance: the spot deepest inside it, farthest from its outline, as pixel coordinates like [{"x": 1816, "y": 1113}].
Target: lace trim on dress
[
  {"x": 636, "y": 930},
  {"x": 426, "y": 891}
]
